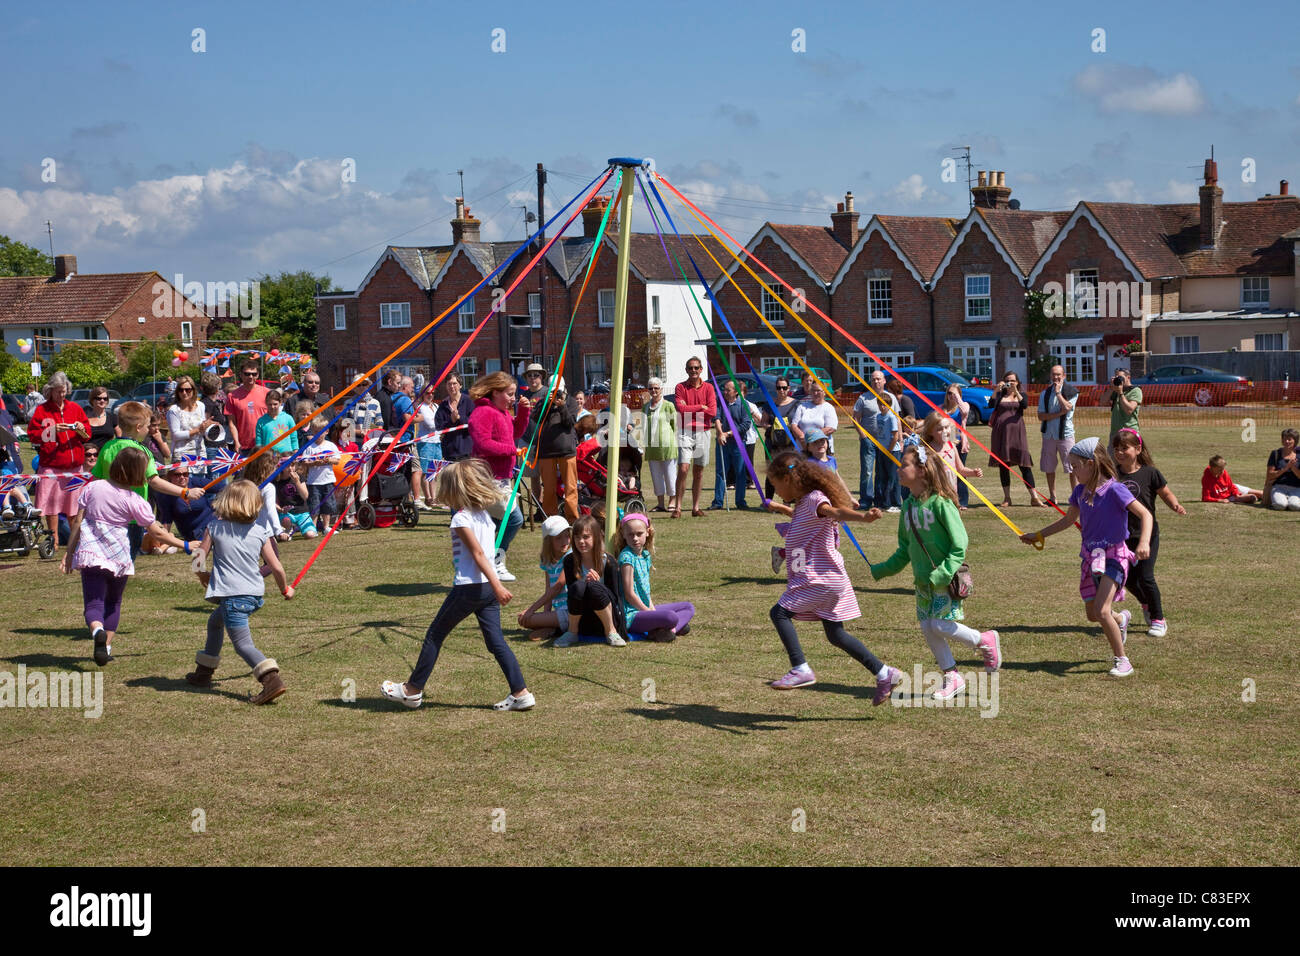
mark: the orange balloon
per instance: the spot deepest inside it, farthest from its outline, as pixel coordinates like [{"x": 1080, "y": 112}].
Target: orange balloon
[{"x": 340, "y": 477}]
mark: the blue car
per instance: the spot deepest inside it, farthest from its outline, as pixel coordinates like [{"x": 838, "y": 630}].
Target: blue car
[{"x": 932, "y": 381}]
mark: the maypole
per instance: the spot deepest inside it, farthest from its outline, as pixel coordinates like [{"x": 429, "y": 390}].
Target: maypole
[{"x": 615, "y": 432}]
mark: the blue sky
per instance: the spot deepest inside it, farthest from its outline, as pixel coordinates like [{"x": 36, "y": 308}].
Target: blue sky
[{"x": 226, "y": 163}]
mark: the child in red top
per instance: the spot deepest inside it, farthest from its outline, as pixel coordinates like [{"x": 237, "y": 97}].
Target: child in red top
[{"x": 1217, "y": 485}]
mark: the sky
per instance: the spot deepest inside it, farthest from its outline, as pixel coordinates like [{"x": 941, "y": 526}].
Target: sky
[{"x": 233, "y": 161}]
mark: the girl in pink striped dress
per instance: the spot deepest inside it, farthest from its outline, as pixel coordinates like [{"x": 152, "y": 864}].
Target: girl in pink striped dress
[{"x": 817, "y": 586}]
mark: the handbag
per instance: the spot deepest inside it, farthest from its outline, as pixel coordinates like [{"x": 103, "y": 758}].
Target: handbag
[{"x": 962, "y": 584}]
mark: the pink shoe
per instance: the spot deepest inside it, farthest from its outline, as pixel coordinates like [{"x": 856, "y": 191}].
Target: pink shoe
[
  {"x": 885, "y": 688},
  {"x": 953, "y": 684},
  {"x": 801, "y": 676},
  {"x": 991, "y": 648}
]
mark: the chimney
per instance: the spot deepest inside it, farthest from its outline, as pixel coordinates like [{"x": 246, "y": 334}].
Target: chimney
[
  {"x": 464, "y": 228},
  {"x": 1284, "y": 188},
  {"x": 64, "y": 267},
  {"x": 844, "y": 222},
  {"x": 1211, "y": 205},
  {"x": 592, "y": 214},
  {"x": 992, "y": 191}
]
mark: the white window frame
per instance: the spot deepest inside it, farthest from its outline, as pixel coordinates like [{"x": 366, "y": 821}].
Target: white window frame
[
  {"x": 1084, "y": 304},
  {"x": 340, "y": 318},
  {"x": 587, "y": 374},
  {"x": 605, "y": 309},
  {"x": 957, "y": 355},
  {"x": 874, "y": 301},
  {"x": 491, "y": 365},
  {"x": 535, "y": 309},
  {"x": 772, "y": 310},
  {"x": 187, "y": 334},
  {"x": 770, "y": 362},
  {"x": 386, "y": 315},
  {"x": 864, "y": 364},
  {"x": 1073, "y": 355},
  {"x": 1178, "y": 344},
  {"x": 1282, "y": 337},
  {"x": 655, "y": 318},
  {"x": 1251, "y": 289},
  {"x": 986, "y": 296},
  {"x": 465, "y": 316},
  {"x": 467, "y": 369}
]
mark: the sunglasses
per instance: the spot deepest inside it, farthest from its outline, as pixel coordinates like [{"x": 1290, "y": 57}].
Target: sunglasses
[
  {"x": 783, "y": 388},
  {"x": 248, "y": 374},
  {"x": 182, "y": 391},
  {"x": 693, "y": 368},
  {"x": 99, "y": 398}
]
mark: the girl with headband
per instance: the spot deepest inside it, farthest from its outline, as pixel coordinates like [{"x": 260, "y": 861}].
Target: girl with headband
[
  {"x": 1102, "y": 505},
  {"x": 634, "y": 543}
]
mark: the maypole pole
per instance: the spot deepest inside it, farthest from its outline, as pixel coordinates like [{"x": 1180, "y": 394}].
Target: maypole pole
[{"x": 615, "y": 432}]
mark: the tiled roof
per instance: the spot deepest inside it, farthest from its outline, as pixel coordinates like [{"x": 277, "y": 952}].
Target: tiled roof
[
  {"x": 568, "y": 254},
  {"x": 646, "y": 254},
  {"x": 1024, "y": 233},
  {"x": 80, "y": 300},
  {"x": 922, "y": 239},
  {"x": 1165, "y": 240},
  {"x": 489, "y": 255},
  {"x": 816, "y": 245},
  {"x": 423, "y": 262}
]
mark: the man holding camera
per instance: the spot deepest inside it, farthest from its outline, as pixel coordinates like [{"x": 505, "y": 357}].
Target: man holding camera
[
  {"x": 1056, "y": 413},
  {"x": 1125, "y": 398},
  {"x": 557, "y": 445}
]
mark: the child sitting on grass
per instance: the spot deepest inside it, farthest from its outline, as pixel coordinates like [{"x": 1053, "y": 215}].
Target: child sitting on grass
[
  {"x": 238, "y": 544},
  {"x": 1217, "y": 485},
  {"x": 634, "y": 542},
  {"x": 592, "y": 579},
  {"x": 550, "y": 612}
]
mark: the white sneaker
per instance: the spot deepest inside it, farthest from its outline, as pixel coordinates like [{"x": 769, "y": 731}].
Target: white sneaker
[
  {"x": 396, "y": 690},
  {"x": 512, "y": 702},
  {"x": 8, "y": 514},
  {"x": 777, "y": 560},
  {"x": 503, "y": 573},
  {"x": 1122, "y": 667},
  {"x": 1123, "y": 626},
  {"x": 615, "y": 640},
  {"x": 1159, "y": 628},
  {"x": 893, "y": 511}
]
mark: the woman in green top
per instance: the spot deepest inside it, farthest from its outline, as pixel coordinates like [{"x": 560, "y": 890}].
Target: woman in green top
[
  {"x": 1125, "y": 399},
  {"x": 932, "y": 539},
  {"x": 661, "y": 445}
]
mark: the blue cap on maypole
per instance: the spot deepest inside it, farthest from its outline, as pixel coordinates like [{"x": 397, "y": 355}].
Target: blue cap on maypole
[{"x": 646, "y": 164}]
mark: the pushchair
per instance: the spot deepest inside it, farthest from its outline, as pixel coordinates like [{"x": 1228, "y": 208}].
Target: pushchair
[
  {"x": 593, "y": 476},
  {"x": 25, "y": 531},
  {"x": 385, "y": 495}
]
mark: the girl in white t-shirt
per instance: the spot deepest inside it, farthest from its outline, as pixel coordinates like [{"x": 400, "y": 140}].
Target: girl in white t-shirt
[
  {"x": 320, "y": 476},
  {"x": 469, "y": 489}
]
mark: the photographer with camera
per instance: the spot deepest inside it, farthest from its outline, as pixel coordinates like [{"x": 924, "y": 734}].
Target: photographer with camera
[
  {"x": 1125, "y": 398},
  {"x": 557, "y": 446},
  {"x": 1010, "y": 440}
]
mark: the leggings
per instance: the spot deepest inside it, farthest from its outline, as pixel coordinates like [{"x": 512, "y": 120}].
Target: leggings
[
  {"x": 939, "y": 632},
  {"x": 101, "y": 596},
  {"x": 1004, "y": 475},
  {"x": 674, "y": 616},
  {"x": 231, "y": 614},
  {"x": 835, "y": 633},
  {"x": 1142, "y": 578}
]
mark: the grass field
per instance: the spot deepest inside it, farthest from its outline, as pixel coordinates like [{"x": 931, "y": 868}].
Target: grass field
[{"x": 717, "y": 767}]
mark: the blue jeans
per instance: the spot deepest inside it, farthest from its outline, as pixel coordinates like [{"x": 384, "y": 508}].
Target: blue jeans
[
  {"x": 464, "y": 600},
  {"x": 866, "y": 473},
  {"x": 963, "y": 493},
  {"x": 514, "y": 521},
  {"x": 729, "y": 469},
  {"x": 887, "y": 493},
  {"x": 232, "y": 613}
]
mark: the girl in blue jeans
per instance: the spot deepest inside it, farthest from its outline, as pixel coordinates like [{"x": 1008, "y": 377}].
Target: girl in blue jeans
[
  {"x": 239, "y": 544},
  {"x": 468, "y": 488}
]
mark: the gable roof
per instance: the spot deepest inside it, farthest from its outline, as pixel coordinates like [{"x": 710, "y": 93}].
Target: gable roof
[
  {"x": 919, "y": 241},
  {"x": 78, "y": 300},
  {"x": 813, "y": 248},
  {"x": 1023, "y": 233}
]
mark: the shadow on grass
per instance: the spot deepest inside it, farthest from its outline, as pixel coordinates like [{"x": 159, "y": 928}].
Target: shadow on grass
[
  {"x": 1042, "y": 629},
  {"x": 204, "y": 609},
  {"x": 732, "y": 579},
  {"x": 414, "y": 589},
  {"x": 731, "y": 721},
  {"x": 72, "y": 633},
  {"x": 1058, "y": 668},
  {"x": 862, "y": 693},
  {"x": 379, "y": 704},
  {"x": 174, "y": 684},
  {"x": 65, "y": 663}
]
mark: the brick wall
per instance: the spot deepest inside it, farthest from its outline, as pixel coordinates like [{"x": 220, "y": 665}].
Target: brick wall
[
  {"x": 910, "y": 327},
  {"x": 124, "y": 322},
  {"x": 977, "y": 254}
]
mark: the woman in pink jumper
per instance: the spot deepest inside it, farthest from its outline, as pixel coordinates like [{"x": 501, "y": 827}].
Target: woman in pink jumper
[{"x": 494, "y": 436}]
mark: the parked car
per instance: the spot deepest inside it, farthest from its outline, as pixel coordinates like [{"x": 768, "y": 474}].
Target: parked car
[
  {"x": 1177, "y": 384},
  {"x": 932, "y": 381},
  {"x": 794, "y": 373},
  {"x": 147, "y": 392},
  {"x": 82, "y": 397},
  {"x": 14, "y": 405}
]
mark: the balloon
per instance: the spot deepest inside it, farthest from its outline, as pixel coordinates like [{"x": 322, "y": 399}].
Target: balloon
[
  {"x": 24, "y": 346},
  {"x": 176, "y": 361},
  {"x": 340, "y": 476},
  {"x": 185, "y": 356},
  {"x": 176, "y": 353},
  {"x": 274, "y": 352}
]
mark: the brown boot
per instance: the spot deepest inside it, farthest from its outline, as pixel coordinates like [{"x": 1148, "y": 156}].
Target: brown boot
[
  {"x": 201, "y": 676},
  {"x": 268, "y": 672}
]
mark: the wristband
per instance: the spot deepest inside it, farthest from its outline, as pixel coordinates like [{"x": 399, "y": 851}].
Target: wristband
[{"x": 187, "y": 547}]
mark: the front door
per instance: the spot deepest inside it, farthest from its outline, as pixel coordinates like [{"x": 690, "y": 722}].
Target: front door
[{"x": 1018, "y": 362}]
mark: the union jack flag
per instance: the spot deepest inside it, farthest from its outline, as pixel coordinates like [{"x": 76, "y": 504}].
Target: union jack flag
[
  {"x": 9, "y": 482},
  {"x": 225, "y": 460},
  {"x": 353, "y": 465},
  {"x": 76, "y": 481},
  {"x": 189, "y": 461}
]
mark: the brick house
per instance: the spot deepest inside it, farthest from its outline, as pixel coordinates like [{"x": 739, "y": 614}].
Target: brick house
[
  {"x": 72, "y": 307},
  {"x": 808, "y": 258},
  {"x": 409, "y": 286}
]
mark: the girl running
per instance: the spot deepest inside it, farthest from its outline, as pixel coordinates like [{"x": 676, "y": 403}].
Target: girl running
[
  {"x": 932, "y": 539},
  {"x": 1102, "y": 505},
  {"x": 1143, "y": 480},
  {"x": 817, "y": 586},
  {"x": 467, "y": 486},
  {"x": 635, "y": 543}
]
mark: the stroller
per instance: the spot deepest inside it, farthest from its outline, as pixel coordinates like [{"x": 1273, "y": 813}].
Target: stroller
[
  {"x": 593, "y": 475},
  {"x": 384, "y": 496},
  {"x": 25, "y": 531}
]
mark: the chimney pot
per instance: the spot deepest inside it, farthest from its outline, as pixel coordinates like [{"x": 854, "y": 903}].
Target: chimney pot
[
  {"x": 1211, "y": 196},
  {"x": 844, "y": 222},
  {"x": 64, "y": 266},
  {"x": 1284, "y": 188},
  {"x": 982, "y": 181},
  {"x": 464, "y": 228},
  {"x": 848, "y": 200},
  {"x": 1211, "y": 172}
]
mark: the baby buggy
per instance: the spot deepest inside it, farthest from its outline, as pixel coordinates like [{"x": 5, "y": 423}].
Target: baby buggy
[
  {"x": 385, "y": 494},
  {"x": 593, "y": 476},
  {"x": 25, "y": 531}
]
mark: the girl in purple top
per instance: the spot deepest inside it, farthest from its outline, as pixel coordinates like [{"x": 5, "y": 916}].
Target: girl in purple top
[{"x": 1102, "y": 505}]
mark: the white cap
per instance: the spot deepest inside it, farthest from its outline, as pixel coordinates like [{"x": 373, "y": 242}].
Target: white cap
[{"x": 554, "y": 525}]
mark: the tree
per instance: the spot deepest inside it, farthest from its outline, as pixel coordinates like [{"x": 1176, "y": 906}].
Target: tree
[
  {"x": 146, "y": 358},
  {"x": 1046, "y": 316},
  {"x": 87, "y": 365},
  {"x": 287, "y": 313},
  {"x": 19, "y": 259}
]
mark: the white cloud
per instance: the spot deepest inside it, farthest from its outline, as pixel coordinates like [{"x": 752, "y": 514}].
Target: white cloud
[
  {"x": 1119, "y": 88},
  {"x": 1121, "y": 190},
  {"x": 910, "y": 192},
  {"x": 1177, "y": 190}
]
